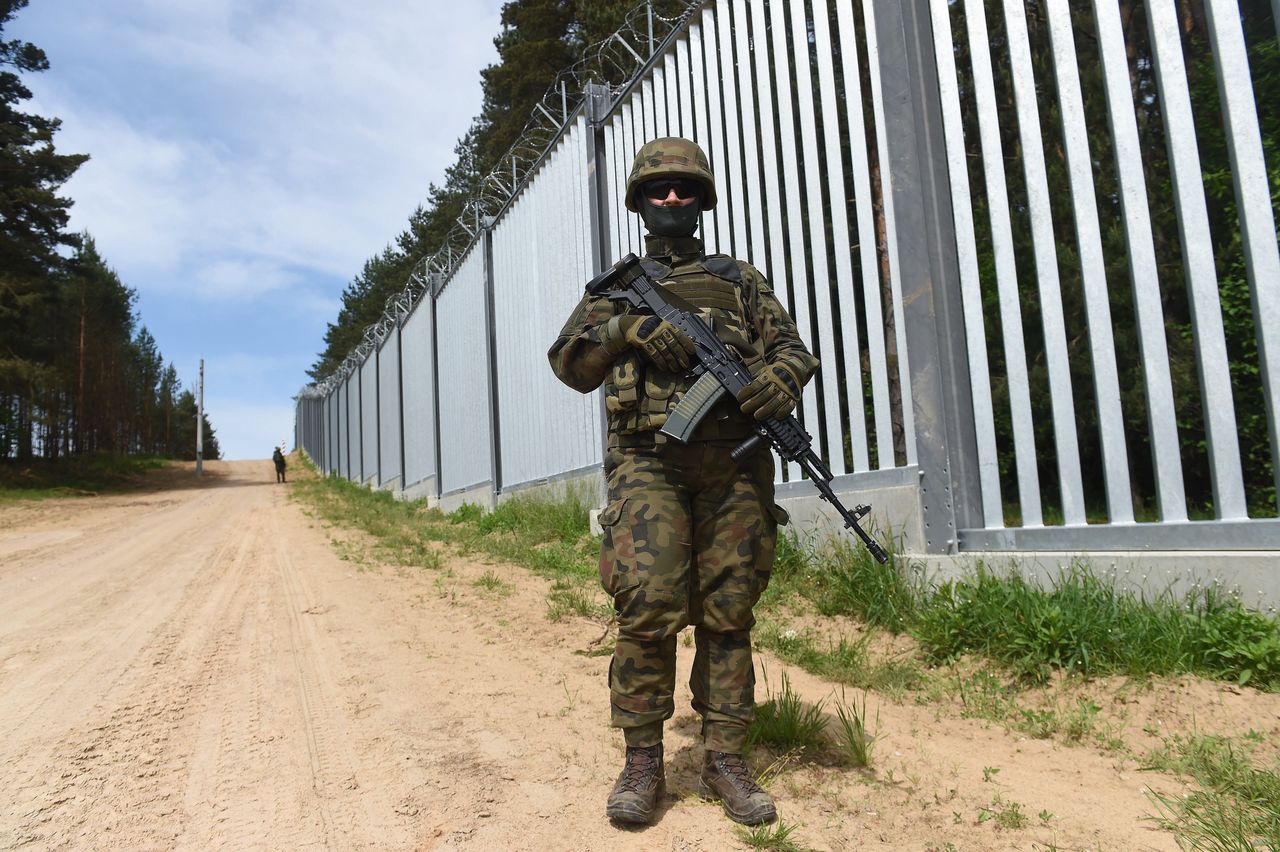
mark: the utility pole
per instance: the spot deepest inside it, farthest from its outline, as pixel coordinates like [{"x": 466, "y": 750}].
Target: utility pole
[{"x": 200, "y": 423}]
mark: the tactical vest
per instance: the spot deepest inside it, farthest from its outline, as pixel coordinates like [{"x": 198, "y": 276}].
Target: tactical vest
[{"x": 638, "y": 395}]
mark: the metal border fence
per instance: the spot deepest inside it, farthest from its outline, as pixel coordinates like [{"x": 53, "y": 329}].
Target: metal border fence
[{"x": 907, "y": 175}]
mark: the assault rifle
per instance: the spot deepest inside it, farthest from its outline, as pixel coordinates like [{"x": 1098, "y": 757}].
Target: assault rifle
[{"x": 721, "y": 372}]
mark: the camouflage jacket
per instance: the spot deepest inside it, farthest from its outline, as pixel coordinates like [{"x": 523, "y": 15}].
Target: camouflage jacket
[{"x": 736, "y": 299}]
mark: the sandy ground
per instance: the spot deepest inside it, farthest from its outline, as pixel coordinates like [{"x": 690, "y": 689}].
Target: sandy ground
[{"x": 203, "y": 665}]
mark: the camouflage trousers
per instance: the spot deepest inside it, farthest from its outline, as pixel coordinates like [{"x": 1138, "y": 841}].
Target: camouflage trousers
[{"x": 689, "y": 538}]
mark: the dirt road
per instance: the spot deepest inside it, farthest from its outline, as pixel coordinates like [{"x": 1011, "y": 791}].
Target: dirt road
[{"x": 198, "y": 667}]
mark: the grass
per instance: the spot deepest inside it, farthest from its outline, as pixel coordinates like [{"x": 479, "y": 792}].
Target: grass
[
  {"x": 1083, "y": 623},
  {"x": 551, "y": 538},
  {"x": 854, "y": 741},
  {"x": 493, "y": 584},
  {"x": 1006, "y": 815},
  {"x": 77, "y": 476},
  {"x": 1237, "y": 805},
  {"x": 776, "y": 836},
  {"x": 843, "y": 661},
  {"x": 787, "y": 724}
]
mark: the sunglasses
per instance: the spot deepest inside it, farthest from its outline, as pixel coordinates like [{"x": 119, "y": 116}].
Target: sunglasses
[{"x": 660, "y": 189}]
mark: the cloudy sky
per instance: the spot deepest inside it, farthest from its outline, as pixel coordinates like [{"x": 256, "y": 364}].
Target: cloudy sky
[{"x": 248, "y": 156}]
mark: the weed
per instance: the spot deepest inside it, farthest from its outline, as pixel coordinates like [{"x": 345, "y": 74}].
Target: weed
[
  {"x": 467, "y": 513},
  {"x": 785, "y": 723},
  {"x": 856, "y": 584},
  {"x": 985, "y": 697},
  {"x": 845, "y": 661},
  {"x": 989, "y": 772},
  {"x": 1081, "y": 721},
  {"x": 854, "y": 740},
  {"x": 565, "y": 519},
  {"x": 1040, "y": 724},
  {"x": 1234, "y": 643},
  {"x": 492, "y": 583},
  {"x": 1082, "y": 623},
  {"x": 1238, "y": 803},
  {"x": 776, "y": 836},
  {"x": 566, "y": 599},
  {"x": 1007, "y": 815},
  {"x": 570, "y": 697}
]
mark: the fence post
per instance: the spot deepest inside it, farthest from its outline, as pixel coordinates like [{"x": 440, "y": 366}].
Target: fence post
[
  {"x": 940, "y": 394},
  {"x": 597, "y": 96},
  {"x": 377, "y": 407},
  {"x": 360, "y": 416},
  {"x": 491, "y": 352},
  {"x": 434, "y": 280},
  {"x": 400, "y": 317}
]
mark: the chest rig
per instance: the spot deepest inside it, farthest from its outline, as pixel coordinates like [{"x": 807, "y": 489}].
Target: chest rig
[{"x": 638, "y": 395}]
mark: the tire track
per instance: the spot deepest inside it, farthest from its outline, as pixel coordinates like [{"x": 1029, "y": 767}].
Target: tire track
[
  {"x": 110, "y": 779},
  {"x": 330, "y": 762}
]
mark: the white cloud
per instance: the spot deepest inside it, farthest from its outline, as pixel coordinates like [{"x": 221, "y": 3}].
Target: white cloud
[{"x": 277, "y": 135}]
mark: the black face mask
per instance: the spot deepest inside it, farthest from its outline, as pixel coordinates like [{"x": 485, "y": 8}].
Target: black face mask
[{"x": 664, "y": 221}]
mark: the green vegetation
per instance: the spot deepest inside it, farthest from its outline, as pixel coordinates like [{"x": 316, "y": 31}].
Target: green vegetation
[
  {"x": 1005, "y": 814},
  {"x": 1238, "y": 803},
  {"x": 776, "y": 836},
  {"x": 787, "y": 724},
  {"x": 1081, "y": 622},
  {"x": 77, "y": 476},
  {"x": 551, "y": 538},
  {"x": 853, "y": 739}
]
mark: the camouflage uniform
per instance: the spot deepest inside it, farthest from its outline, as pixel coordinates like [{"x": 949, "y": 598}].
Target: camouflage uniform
[{"x": 689, "y": 533}]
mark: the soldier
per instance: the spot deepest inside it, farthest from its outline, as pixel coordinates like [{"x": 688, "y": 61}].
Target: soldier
[
  {"x": 278, "y": 458},
  {"x": 689, "y": 533}
]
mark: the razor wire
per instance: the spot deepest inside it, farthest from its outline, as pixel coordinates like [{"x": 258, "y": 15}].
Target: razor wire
[{"x": 615, "y": 62}]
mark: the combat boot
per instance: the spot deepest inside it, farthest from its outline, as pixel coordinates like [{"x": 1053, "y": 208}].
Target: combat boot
[
  {"x": 727, "y": 778},
  {"x": 635, "y": 797}
]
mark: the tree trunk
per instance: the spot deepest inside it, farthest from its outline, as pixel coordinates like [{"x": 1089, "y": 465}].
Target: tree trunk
[{"x": 79, "y": 414}]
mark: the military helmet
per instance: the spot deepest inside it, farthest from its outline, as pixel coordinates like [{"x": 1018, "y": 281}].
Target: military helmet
[{"x": 671, "y": 157}]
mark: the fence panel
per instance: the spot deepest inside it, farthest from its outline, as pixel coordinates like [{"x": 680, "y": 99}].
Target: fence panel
[
  {"x": 466, "y": 451},
  {"x": 369, "y": 418},
  {"x": 416, "y": 348},
  {"x": 355, "y": 442},
  {"x": 1072, "y": 272},
  {"x": 389, "y": 408},
  {"x": 334, "y": 458},
  {"x": 343, "y": 432},
  {"x": 541, "y": 262}
]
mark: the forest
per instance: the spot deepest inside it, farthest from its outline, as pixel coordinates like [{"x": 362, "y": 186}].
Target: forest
[{"x": 79, "y": 372}]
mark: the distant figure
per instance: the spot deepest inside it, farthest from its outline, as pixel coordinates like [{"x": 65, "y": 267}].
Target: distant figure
[{"x": 278, "y": 458}]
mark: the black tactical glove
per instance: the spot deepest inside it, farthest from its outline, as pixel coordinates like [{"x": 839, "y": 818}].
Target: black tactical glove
[
  {"x": 661, "y": 342},
  {"x": 775, "y": 392}
]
